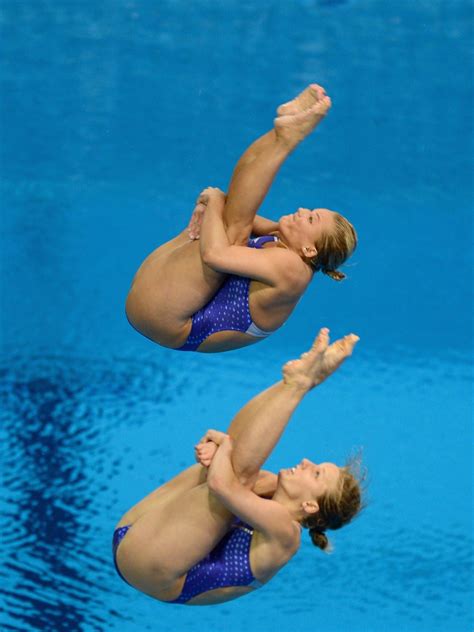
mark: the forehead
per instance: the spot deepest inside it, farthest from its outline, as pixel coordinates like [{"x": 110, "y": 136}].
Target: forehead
[
  {"x": 332, "y": 472},
  {"x": 324, "y": 213}
]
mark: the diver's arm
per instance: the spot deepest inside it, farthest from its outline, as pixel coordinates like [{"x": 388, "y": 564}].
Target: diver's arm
[
  {"x": 213, "y": 234},
  {"x": 273, "y": 266},
  {"x": 266, "y": 516},
  {"x": 276, "y": 267},
  {"x": 263, "y": 226},
  {"x": 266, "y": 483}
]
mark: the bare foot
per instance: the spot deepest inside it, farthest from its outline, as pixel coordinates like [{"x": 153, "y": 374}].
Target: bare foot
[
  {"x": 301, "y": 115},
  {"x": 194, "y": 226},
  {"x": 303, "y": 101},
  {"x": 321, "y": 361}
]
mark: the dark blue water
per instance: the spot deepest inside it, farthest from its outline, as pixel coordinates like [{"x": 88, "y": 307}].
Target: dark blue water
[{"x": 113, "y": 117}]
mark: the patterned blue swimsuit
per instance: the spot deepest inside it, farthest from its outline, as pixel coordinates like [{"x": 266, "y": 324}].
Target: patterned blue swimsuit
[
  {"x": 228, "y": 310},
  {"x": 228, "y": 564}
]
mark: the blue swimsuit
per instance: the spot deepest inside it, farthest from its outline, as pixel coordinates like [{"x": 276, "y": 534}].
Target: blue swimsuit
[
  {"x": 226, "y": 565},
  {"x": 228, "y": 310}
]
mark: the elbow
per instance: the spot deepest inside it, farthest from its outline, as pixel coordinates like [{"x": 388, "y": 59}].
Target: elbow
[
  {"x": 214, "y": 484},
  {"x": 209, "y": 256},
  {"x": 221, "y": 488},
  {"x": 212, "y": 256}
]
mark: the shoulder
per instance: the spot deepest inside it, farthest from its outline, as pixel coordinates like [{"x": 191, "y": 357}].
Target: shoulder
[
  {"x": 277, "y": 548},
  {"x": 280, "y": 529},
  {"x": 294, "y": 273}
]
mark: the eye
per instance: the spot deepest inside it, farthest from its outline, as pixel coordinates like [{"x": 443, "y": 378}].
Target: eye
[
  {"x": 316, "y": 474},
  {"x": 310, "y": 219}
]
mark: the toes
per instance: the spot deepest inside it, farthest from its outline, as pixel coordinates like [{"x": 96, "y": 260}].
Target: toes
[
  {"x": 320, "y": 107},
  {"x": 285, "y": 108},
  {"x": 322, "y": 340},
  {"x": 351, "y": 340},
  {"x": 311, "y": 95},
  {"x": 346, "y": 344}
]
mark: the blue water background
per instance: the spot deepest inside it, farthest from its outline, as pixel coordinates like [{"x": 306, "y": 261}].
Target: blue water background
[{"x": 114, "y": 115}]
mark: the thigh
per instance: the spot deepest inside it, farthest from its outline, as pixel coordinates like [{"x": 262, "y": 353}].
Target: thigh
[
  {"x": 165, "y": 542},
  {"x": 184, "y": 481},
  {"x": 170, "y": 286},
  {"x": 165, "y": 248}
]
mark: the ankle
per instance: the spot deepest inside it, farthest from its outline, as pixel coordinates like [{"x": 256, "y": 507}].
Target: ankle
[{"x": 285, "y": 142}]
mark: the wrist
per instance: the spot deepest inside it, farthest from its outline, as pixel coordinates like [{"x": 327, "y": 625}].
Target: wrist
[{"x": 216, "y": 203}]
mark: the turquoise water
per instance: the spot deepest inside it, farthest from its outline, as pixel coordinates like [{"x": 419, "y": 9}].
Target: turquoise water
[{"x": 112, "y": 119}]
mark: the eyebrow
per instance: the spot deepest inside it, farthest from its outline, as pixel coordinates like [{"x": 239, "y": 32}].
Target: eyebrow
[{"x": 324, "y": 472}]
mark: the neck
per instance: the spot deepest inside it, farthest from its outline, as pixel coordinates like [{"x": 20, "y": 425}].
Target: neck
[
  {"x": 293, "y": 506},
  {"x": 281, "y": 240},
  {"x": 283, "y": 244}
]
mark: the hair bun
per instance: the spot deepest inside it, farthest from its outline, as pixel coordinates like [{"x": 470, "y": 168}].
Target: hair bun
[
  {"x": 319, "y": 539},
  {"x": 336, "y": 275}
]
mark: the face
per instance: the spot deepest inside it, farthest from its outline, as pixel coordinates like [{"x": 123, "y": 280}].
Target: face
[
  {"x": 310, "y": 480},
  {"x": 301, "y": 230}
]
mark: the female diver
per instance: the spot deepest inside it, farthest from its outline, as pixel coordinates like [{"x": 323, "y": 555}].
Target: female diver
[
  {"x": 228, "y": 291},
  {"x": 210, "y": 535}
]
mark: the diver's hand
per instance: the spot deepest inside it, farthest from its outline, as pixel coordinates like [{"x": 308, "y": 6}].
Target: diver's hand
[
  {"x": 206, "y": 197},
  {"x": 206, "y": 447},
  {"x": 204, "y": 453},
  {"x": 212, "y": 194},
  {"x": 321, "y": 361},
  {"x": 220, "y": 469}
]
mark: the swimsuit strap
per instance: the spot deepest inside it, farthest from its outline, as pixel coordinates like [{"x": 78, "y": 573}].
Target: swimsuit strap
[
  {"x": 240, "y": 524},
  {"x": 259, "y": 242}
]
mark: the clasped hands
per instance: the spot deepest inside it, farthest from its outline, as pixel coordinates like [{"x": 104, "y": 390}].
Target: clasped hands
[{"x": 206, "y": 448}]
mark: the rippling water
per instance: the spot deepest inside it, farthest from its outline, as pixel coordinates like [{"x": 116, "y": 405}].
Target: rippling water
[
  {"x": 113, "y": 117},
  {"x": 84, "y": 438}
]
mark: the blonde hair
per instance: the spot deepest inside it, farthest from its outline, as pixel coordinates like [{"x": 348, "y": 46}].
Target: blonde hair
[
  {"x": 334, "y": 248},
  {"x": 339, "y": 508}
]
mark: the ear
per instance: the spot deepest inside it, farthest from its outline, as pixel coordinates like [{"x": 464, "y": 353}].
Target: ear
[
  {"x": 310, "y": 506},
  {"x": 309, "y": 251}
]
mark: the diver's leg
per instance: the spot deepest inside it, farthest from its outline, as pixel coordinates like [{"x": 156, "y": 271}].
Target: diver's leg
[
  {"x": 170, "y": 286},
  {"x": 189, "y": 478},
  {"x": 258, "y": 166},
  {"x": 174, "y": 528},
  {"x": 258, "y": 426},
  {"x": 251, "y": 180}
]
